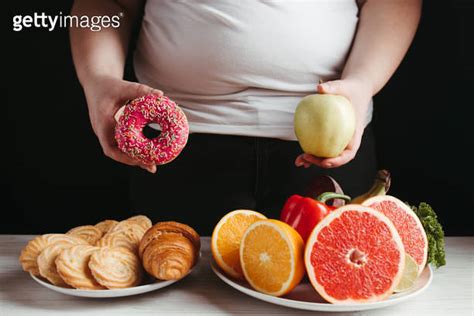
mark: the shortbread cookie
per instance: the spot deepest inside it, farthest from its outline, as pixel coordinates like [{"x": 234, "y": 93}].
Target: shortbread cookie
[
  {"x": 115, "y": 267},
  {"x": 142, "y": 220},
  {"x": 125, "y": 239},
  {"x": 29, "y": 254},
  {"x": 89, "y": 233},
  {"x": 72, "y": 265},
  {"x": 132, "y": 231},
  {"x": 106, "y": 225},
  {"x": 130, "y": 226},
  {"x": 47, "y": 265}
]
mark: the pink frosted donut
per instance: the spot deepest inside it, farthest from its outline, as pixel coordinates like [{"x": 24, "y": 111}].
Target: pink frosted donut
[{"x": 152, "y": 109}]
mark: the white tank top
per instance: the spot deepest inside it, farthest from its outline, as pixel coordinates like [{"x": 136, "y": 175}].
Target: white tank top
[{"x": 241, "y": 67}]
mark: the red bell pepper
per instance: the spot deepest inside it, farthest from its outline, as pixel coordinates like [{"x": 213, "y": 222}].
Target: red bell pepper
[{"x": 304, "y": 213}]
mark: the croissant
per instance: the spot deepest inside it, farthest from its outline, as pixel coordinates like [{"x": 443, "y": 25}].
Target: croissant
[{"x": 169, "y": 250}]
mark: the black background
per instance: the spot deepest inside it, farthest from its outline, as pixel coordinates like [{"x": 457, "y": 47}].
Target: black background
[{"x": 423, "y": 125}]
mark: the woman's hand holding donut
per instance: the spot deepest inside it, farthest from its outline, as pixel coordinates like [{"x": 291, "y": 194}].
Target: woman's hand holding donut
[
  {"x": 360, "y": 96},
  {"x": 105, "y": 96}
]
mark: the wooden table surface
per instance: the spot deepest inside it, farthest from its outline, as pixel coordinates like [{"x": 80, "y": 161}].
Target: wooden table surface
[{"x": 450, "y": 293}]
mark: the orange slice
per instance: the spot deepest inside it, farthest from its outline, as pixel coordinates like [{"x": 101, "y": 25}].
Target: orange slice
[
  {"x": 271, "y": 255},
  {"x": 226, "y": 237}
]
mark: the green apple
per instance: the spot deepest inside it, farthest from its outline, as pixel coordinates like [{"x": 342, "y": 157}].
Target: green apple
[{"x": 324, "y": 124}]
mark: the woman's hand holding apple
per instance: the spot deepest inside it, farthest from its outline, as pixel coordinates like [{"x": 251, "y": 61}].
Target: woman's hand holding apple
[{"x": 359, "y": 95}]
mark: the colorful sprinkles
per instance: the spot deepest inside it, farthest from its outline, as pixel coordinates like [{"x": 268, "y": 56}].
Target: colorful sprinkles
[{"x": 152, "y": 109}]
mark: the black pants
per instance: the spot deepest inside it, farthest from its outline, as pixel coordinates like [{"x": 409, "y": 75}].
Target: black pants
[{"x": 216, "y": 174}]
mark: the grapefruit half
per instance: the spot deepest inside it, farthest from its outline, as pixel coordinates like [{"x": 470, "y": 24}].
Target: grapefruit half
[
  {"x": 407, "y": 224},
  {"x": 354, "y": 255}
]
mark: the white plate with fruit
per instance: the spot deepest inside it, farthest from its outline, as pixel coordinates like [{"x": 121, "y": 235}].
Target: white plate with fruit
[
  {"x": 368, "y": 254},
  {"x": 306, "y": 298}
]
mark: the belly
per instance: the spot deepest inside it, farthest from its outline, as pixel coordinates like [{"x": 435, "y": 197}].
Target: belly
[{"x": 210, "y": 47}]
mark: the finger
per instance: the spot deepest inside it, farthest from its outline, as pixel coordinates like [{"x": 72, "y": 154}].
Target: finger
[
  {"x": 119, "y": 156},
  {"x": 131, "y": 91},
  {"x": 299, "y": 161},
  {"x": 149, "y": 168},
  {"x": 157, "y": 92},
  {"x": 119, "y": 113},
  {"x": 307, "y": 164},
  {"x": 346, "y": 156},
  {"x": 331, "y": 87},
  {"x": 135, "y": 90},
  {"x": 109, "y": 146},
  {"x": 112, "y": 151},
  {"x": 312, "y": 159},
  {"x": 308, "y": 160}
]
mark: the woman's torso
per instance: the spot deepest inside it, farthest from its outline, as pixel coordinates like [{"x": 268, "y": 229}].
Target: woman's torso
[{"x": 240, "y": 67}]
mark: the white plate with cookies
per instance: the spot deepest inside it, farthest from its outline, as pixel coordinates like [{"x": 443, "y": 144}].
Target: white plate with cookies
[
  {"x": 154, "y": 285},
  {"x": 111, "y": 258}
]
